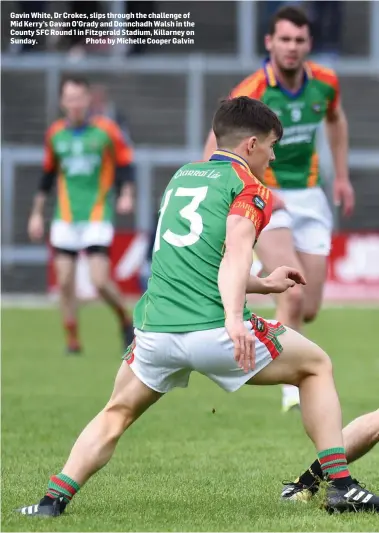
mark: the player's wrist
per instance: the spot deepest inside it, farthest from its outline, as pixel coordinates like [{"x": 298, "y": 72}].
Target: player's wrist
[
  {"x": 266, "y": 285},
  {"x": 342, "y": 178},
  {"x": 233, "y": 317}
]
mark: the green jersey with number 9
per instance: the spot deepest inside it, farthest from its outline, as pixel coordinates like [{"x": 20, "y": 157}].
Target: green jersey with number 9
[{"x": 183, "y": 292}]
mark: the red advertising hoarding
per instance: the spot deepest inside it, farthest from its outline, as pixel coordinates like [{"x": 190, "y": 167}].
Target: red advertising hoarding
[{"x": 353, "y": 273}]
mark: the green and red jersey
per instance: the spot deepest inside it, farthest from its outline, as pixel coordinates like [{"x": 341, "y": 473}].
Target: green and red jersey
[
  {"x": 85, "y": 160},
  {"x": 183, "y": 292},
  {"x": 297, "y": 163}
]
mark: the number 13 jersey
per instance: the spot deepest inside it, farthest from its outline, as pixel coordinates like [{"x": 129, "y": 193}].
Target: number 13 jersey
[{"x": 183, "y": 292}]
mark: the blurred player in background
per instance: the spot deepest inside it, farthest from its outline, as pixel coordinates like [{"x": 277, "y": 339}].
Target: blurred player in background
[
  {"x": 302, "y": 94},
  {"x": 193, "y": 316},
  {"x": 89, "y": 158},
  {"x": 359, "y": 437}
]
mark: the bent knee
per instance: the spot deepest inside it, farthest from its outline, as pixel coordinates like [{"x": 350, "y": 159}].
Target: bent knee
[
  {"x": 295, "y": 300},
  {"x": 66, "y": 283},
  {"x": 310, "y": 314},
  {"x": 318, "y": 362},
  {"x": 311, "y": 309},
  {"x": 99, "y": 283}
]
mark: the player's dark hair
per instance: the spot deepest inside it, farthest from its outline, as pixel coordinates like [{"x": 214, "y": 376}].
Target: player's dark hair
[
  {"x": 293, "y": 14},
  {"x": 76, "y": 80},
  {"x": 238, "y": 118}
]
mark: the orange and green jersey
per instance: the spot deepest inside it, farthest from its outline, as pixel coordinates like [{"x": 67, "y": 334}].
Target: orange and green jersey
[
  {"x": 85, "y": 160},
  {"x": 297, "y": 163},
  {"x": 183, "y": 293}
]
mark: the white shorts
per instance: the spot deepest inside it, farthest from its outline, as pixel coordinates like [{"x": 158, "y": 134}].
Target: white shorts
[
  {"x": 309, "y": 217},
  {"x": 77, "y": 236},
  {"x": 163, "y": 361}
]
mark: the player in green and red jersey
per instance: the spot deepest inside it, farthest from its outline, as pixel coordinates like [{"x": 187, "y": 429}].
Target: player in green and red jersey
[
  {"x": 89, "y": 159},
  {"x": 193, "y": 316},
  {"x": 302, "y": 94}
]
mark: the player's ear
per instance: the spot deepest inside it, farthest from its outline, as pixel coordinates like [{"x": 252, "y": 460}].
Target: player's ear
[
  {"x": 268, "y": 42},
  {"x": 251, "y": 144}
]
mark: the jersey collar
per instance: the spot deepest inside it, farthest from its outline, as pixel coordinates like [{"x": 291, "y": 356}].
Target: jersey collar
[
  {"x": 226, "y": 155},
  {"x": 79, "y": 129},
  {"x": 272, "y": 81}
]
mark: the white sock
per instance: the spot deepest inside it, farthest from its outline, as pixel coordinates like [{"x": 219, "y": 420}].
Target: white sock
[{"x": 290, "y": 394}]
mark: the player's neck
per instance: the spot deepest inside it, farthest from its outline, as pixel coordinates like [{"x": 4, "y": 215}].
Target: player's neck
[
  {"x": 79, "y": 123},
  {"x": 292, "y": 81}
]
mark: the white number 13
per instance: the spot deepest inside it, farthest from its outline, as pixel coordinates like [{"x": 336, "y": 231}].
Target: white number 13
[{"x": 188, "y": 212}]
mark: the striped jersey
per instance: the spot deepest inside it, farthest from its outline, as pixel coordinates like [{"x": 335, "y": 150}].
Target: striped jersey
[
  {"x": 297, "y": 162},
  {"x": 183, "y": 292},
  {"x": 85, "y": 160}
]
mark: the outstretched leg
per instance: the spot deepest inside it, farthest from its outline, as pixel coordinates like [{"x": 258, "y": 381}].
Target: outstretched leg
[
  {"x": 359, "y": 437},
  {"x": 97, "y": 442},
  {"x": 304, "y": 364}
]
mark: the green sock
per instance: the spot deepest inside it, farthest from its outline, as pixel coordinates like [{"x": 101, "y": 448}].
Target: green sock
[
  {"x": 62, "y": 485},
  {"x": 333, "y": 463}
]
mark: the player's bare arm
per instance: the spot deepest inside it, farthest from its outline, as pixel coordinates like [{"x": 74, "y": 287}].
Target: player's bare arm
[
  {"x": 125, "y": 185},
  {"x": 278, "y": 281},
  {"x": 232, "y": 281},
  {"x": 338, "y": 134},
  {"x": 36, "y": 219}
]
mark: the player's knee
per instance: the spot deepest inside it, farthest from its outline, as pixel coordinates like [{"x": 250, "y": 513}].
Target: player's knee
[
  {"x": 310, "y": 316},
  {"x": 295, "y": 301},
  {"x": 310, "y": 312},
  {"x": 317, "y": 362},
  {"x": 100, "y": 283},
  {"x": 66, "y": 283}
]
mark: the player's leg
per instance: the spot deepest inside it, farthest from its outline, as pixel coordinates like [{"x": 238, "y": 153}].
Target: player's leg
[
  {"x": 276, "y": 248},
  {"x": 312, "y": 237},
  {"x": 155, "y": 363},
  {"x": 304, "y": 364},
  {"x": 97, "y": 442},
  {"x": 99, "y": 267},
  {"x": 97, "y": 239},
  {"x": 65, "y": 240},
  {"x": 65, "y": 268},
  {"x": 314, "y": 268},
  {"x": 359, "y": 437}
]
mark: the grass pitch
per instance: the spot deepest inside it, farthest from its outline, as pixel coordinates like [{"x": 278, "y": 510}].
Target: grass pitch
[{"x": 180, "y": 467}]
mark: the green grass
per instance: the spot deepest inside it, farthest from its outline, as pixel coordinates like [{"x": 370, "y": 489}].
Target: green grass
[{"x": 180, "y": 468}]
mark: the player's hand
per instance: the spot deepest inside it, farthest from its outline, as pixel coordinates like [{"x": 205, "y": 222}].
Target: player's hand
[
  {"x": 277, "y": 203},
  {"x": 344, "y": 195},
  {"x": 35, "y": 227},
  {"x": 282, "y": 278},
  {"x": 244, "y": 343},
  {"x": 125, "y": 204}
]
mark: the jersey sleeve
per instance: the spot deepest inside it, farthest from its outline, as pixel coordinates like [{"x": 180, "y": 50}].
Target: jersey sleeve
[
  {"x": 330, "y": 79},
  {"x": 254, "y": 201},
  {"x": 49, "y": 160},
  {"x": 123, "y": 153},
  {"x": 335, "y": 95},
  {"x": 253, "y": 86}
]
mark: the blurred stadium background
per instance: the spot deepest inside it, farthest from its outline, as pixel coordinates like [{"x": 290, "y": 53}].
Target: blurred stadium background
[
  {"x": 167, "y": 96},
  {"x": 215, "y": 472}
]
